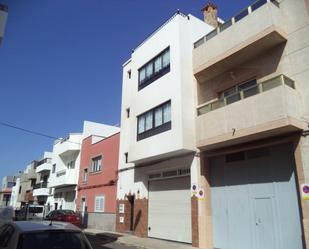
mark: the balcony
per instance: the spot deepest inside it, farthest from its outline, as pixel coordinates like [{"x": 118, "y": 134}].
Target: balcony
[
  {"x": 271, "y": 108},
  {"x": 31, "y": 174},
  {"x": 63, "y": 178},
  {"x": 41, "y": 189},
  {"x": 253, "y": 31},
  {"x": 45, "y": 167},
  {"x": 67, "y": 147}
]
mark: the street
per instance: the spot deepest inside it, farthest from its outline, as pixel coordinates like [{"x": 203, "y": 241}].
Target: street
[{"x": 107, "y": 241}]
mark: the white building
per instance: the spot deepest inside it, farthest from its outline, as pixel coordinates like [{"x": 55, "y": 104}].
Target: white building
[
  {"x": 14, "y": 196},
  {"x": 41, "y": 190},
  {"x": 157, "y": 161},
  {"x": 64, "y": 172},
  {"x": 63, "y": 179}
]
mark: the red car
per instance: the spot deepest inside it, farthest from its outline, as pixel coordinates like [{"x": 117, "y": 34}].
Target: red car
[{"x": 65, "y": 216}]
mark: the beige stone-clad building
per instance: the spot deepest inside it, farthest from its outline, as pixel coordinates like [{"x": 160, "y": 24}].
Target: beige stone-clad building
[{"x": 252, "y": 128}]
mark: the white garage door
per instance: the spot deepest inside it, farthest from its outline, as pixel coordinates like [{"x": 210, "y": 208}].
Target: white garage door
[
  {"x": 170, "y": 209},
  {"x": 254, "y": 200}
]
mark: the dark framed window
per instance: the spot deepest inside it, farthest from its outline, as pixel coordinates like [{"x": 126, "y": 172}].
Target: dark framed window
[
  {"x": 126, "y": 156},
  {"x": 154, "y": 121},
  {"x": 154, "y": 69},
  {"x": 85, "y": 175},
  {"x": 54, "y": 168}
]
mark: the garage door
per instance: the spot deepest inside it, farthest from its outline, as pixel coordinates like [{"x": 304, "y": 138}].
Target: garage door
[
  {"x": 254, "y": 200},
  {"x": 170, "y": 209}
]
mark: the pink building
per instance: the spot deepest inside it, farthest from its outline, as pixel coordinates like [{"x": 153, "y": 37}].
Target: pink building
[{"x": 97, "y": 181}]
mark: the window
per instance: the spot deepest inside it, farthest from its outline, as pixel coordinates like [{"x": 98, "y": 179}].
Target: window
[
  {"x": 240, "y": 91},
  {"x": 96, "y": 163},
  {"x": 71, "y": 164},
  {"x": 85, "y": 176},
  {"x": 19, "y": 191},
  {"x": 128, "y": 112},
  {"x": 129, "y": 74},
  {"x": 126, "y": 155},
  {"x": 154, "y": 121},
  {"x": 154, "y": 69},
  {"x": 235, "y": 157},
  {"x": 99, "y": 204},
  {"x": 54, "y": 168}
]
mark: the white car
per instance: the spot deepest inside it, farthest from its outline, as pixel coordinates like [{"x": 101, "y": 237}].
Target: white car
[{"x": 43, "y": 235}]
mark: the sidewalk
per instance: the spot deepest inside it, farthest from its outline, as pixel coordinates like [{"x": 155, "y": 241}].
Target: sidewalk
[{"x": 146, "y": 243}]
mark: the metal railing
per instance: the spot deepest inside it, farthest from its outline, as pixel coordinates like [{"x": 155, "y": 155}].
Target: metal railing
[
  {"x": 248, "y": 92},
  {"x": 40, "y": 185},
  {"x": 45, "y": 160},
  {"x": 243, "y": 13}
]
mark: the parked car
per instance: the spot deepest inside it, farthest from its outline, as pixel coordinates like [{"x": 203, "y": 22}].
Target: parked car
[
  {"x": 30, "y": 212},
  {"x": 47, "y": 235},
  {"x": 64, "y": 216}
]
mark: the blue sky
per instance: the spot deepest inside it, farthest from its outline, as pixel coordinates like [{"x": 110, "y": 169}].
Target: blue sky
[{"x": 61, "y": 63}]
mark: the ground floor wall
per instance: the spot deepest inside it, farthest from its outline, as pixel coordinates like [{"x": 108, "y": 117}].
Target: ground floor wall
[
  {"x": 64, "y": 198},
  {"x": 133, "y": 206},
  {"x": 101, "y": 221},
  {"x": 89, "y": 194}
]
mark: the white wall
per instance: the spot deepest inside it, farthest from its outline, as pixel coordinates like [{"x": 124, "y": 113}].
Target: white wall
[{"x": 177, "y": 85}]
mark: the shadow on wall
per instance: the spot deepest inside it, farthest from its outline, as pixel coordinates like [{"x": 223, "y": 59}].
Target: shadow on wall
[
  {"x": 137, "y": 219},
  {"x": 261, "y": 66}
]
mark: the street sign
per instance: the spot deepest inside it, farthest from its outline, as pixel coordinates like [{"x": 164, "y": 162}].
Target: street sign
[{"x": 305, "y": 191}]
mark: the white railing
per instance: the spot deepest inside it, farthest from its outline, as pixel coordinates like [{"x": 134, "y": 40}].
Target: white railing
[{"x": 256, "y": 5}]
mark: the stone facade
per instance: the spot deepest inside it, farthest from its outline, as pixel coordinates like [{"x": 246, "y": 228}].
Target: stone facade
[
  {"x": 194, "y": 221},
  {"x": 140, "y": 217}
]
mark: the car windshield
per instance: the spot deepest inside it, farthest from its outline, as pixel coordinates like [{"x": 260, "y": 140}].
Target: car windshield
[{"x": 52, "y": 240}]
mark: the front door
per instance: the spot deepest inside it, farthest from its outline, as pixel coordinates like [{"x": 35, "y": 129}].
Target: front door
[{"x": 264, "y": 223}]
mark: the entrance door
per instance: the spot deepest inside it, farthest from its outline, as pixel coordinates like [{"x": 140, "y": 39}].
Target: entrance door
[
  {"x": 131, "y": 201},
  {"x": 264, "y": 223},
  {"x": 254, "y": 200}
]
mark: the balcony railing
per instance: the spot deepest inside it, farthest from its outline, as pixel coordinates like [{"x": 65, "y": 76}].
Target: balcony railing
[
  {"x": 45, "y": 160},
  {"x": 40, "y": 185},
  {"x": 256, "y": 5},
  {"x": 251, "y": 91}
]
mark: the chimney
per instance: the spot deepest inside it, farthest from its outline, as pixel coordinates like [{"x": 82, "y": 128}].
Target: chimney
[{"x": 210, "y": 12}]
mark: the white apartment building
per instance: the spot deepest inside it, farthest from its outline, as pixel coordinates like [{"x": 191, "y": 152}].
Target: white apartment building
[
  {"x": 41, "y": 191},
  {"x": 64, "y": 172},
  {"x": 63, "y": 179},
  {"x": 157, "y": 161}
]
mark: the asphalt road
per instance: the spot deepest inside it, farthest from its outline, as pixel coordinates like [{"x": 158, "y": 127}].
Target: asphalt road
[{"x": 106, "y": 241}]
